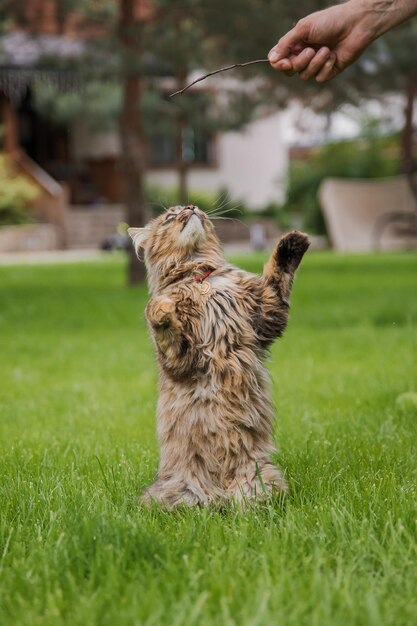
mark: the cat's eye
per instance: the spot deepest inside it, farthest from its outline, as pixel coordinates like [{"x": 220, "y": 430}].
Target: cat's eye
[{"x": 170, "y": 218}]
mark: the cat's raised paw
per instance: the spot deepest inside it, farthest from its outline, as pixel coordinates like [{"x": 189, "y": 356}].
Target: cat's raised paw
[
  {"x": 160, "y": 312},
  {"x": 291, "y": 249}
]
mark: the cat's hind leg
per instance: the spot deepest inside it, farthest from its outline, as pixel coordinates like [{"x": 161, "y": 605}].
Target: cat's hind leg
[
  {"x": 258, "y": 483},
  {"x": 173, "y": 493}
]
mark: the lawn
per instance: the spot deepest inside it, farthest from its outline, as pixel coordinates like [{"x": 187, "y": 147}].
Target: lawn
[{"x": 77, "y": 436}]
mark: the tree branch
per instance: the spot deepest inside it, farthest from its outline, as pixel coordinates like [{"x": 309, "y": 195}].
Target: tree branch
[{"x": 223, "y": 69}]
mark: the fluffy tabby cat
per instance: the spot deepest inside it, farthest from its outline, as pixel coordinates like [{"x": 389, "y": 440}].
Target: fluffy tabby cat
[{"x": 212, "y": 324}]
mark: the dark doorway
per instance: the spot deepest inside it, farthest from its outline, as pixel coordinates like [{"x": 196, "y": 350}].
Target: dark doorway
[{"x": 46, "y": 142}]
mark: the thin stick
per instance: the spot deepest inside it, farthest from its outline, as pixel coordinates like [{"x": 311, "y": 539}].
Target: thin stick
[{"x": 223, "y": 69}]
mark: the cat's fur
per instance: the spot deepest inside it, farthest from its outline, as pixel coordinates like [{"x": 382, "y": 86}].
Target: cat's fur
[{"x": 214, "y": 411}]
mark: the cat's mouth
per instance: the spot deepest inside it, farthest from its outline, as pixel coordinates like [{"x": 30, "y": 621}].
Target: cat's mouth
[
  {"x": 190, "y": 213},
  {"x": 193, "y": 216},
  {"x": 192, "y": 231}
]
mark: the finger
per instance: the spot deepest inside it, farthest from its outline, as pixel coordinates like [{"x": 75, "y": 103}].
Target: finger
[
  {"x": 302, "y": 60},
  {"x": 316, "y": 64},
  {"x": 328, "y": 71},
  {"x": 284, "y": 46},
  {"x": 285, "y": 65}
]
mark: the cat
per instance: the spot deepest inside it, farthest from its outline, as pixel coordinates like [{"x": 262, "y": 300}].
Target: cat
[{"x": 212, "y": 324}]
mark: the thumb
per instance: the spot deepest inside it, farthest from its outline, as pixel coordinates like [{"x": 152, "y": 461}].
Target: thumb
[{"x": 285, "y": 45}]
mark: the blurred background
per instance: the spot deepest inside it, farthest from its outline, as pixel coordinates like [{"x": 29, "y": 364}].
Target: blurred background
[{"x": 91, "y": 140}]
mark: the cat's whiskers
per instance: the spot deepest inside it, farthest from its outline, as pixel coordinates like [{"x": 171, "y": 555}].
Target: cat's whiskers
[
  {"x": 226, "y": 201},
  {"x": 229, "y": 210},
  {"x": 231, "y": 219},
  {"x": 220, "y": 203},
  {"x": 218, "y": 209},
  {"x": 221, "y": 200},
  {"x": 155, "y": 204},
  {"x": 225, "y": 209}
]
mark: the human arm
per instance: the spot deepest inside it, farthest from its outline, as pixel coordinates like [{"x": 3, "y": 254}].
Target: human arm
[{"x": 323, "y": 44}]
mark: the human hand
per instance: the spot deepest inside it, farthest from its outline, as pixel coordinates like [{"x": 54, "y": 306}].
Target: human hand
[{"x": 323, "y": 44}]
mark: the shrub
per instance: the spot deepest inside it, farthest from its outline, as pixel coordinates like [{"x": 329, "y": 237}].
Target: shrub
[
  {"x": 370, "y": 158},
  {"x": 16, "y": 193}
]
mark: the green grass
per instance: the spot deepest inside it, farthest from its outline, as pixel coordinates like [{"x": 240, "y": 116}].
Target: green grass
[{"x": 77, "y": 400}]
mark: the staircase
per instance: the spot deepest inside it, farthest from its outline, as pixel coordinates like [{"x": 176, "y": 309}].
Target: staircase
[{"x": 89, "y": 226}]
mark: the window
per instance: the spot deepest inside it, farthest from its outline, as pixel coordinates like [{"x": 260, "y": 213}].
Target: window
[{"x": 197, "y": 148}]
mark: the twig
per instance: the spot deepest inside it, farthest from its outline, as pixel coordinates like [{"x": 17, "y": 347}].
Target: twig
[{"x": 223, "y": 69}]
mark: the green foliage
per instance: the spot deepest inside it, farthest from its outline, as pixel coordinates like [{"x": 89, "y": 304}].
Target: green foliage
[
  {"x": 16, "y": 193},
  {"x": 98, "y": 103},
  {"x": 367, "y": 158},
  {"x": 77, "y": 444}
]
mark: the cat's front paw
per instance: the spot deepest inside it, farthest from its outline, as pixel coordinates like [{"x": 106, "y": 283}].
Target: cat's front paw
[
  {"x": 160, "y": 313},
  {"x": 290, "y": 250}
]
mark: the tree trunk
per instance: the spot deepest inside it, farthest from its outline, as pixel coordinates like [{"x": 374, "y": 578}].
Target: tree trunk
[
  {"x": 131, "y": 135},
  {"x": 10, "y": 126},
  {"x": 407, "y": 161},
  {"x": 181, "y": 164},
  {"x": 407, "y": 157}
]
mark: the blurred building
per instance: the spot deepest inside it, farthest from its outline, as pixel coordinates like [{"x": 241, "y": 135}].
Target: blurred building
[
  {"x": 76, "y": 169},
  {"x": 88, "y": 163}
]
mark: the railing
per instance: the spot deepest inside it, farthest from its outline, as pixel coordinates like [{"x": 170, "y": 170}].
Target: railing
[{"x": 51, "y": 205}]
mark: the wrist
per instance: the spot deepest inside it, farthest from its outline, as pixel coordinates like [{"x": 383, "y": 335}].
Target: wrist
[{"x": 376, "y": 17}]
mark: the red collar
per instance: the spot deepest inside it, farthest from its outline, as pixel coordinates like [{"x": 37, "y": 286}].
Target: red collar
[{"x": 201, "y": 279}]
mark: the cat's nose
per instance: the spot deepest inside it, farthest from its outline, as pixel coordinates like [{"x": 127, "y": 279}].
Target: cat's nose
[{"x": 191, "y": 207}]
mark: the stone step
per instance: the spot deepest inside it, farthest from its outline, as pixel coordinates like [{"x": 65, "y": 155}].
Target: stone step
[{"x": 88, "y": 227}]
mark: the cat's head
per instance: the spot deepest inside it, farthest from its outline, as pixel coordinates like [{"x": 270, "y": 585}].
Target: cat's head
[{"x": 182, "y": 234}]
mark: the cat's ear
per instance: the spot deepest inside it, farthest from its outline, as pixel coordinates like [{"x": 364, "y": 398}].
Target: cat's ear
[{"x": 139, "y": 237}]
